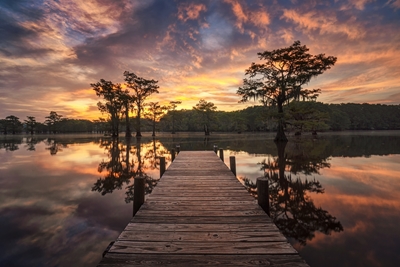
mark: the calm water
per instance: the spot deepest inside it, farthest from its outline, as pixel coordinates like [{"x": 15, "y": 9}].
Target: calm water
[{"x": 65, "y": 198}]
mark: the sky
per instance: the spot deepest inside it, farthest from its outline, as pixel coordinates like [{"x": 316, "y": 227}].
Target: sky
[{"x": 52, "y": 50}]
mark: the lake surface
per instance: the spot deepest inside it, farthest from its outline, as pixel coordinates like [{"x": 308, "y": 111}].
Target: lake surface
[{"x": 335, "y": 197}]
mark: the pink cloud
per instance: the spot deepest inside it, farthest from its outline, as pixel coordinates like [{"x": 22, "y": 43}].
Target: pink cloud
[{"x": 190, "y": 11}]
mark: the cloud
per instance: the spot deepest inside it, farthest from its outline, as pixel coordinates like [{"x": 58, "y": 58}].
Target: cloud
[
  {"x": 50, "y": 51},
  {"x": 324, "y": 23},
  {"x": 394, "y": 3},
  {"x": 190, "y": 11},
  {"x": 258, "y": 17}
]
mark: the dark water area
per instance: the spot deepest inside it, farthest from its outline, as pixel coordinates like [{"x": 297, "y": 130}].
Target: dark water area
[{"x": 335, "y": 197}]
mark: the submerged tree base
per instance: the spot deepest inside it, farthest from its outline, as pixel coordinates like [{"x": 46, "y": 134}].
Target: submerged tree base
[{"x": 280, "y": 135}]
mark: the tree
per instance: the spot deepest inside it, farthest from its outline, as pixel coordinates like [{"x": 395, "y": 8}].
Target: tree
[
  {"x": 206, "y": 109},
  {"x": 14, "y": 123},
  {"x": 112, "y": 94},
  {"x": 3, "y": 126},
  {"x": 280, "y": 78},
  {"x": 52, "y": 121},
  {"x": 154, "y": 113},
  {"x": 140, "y": 88},
  {"x": 127, "y": 103},
  {"x": 172, "y": 107},
  {"x": 30, "y": 124}
]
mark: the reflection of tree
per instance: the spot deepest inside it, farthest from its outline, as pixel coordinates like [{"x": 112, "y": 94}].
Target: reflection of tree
[
  {"x": 126, "y": 162},
  {"x": 54, "y": 146},
  {"x": 10, "y": 145},
  {"x": 291, "y": 208},
  {"x": 31, "y": 143},
  {"x": 115, "y": 176}
]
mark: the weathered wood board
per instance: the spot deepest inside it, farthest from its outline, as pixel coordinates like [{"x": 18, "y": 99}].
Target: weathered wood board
[{"x": 199, "y": 214}]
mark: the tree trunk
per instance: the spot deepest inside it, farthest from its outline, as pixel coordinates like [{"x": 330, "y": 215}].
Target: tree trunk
[
  {"x": 138, "y": 133},
  {"x": 282, "y": 166},
  {"x": 173, "y": 123},
  {"x": 280, "y": 135},
  {"x": 128, "y": 125},
  {"x": 206, "y": 130}
]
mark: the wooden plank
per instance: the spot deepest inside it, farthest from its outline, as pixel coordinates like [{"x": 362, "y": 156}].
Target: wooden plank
[
  {"x": 147, "y": 260},
  {"x": 202, "y": 213},
  {"x": 202, "y": 247},
  {"x": 206, "y": 236},
  {"x": 151, "y": 202},
  {"x": 201, "y": 220},
  {"x": 169, "y": 227},
  {"x": 199, "y": 198},
  {"x": 161, "y": 206}
]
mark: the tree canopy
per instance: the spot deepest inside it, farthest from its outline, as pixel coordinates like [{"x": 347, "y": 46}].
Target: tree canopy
[
  {"x": 280, "y": 78},
  {"x": 206, "y": 109},
  {"x": 140, "y": 88},
  {"x": 113, "y": 105}
]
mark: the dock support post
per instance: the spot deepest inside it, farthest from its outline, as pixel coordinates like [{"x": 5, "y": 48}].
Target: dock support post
[
  {"x": 232, "y": 161},
  {"x": 172, "y": 154},
  {"x": 262, "y": 194},
  {"x": 221, "y": 154},
  {"x": 138, "y": 193},
  {"x": 162, "y": 166}
]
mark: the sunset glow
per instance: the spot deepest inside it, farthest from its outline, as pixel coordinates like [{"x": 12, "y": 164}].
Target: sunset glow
[{"x": 51, "y": 51}]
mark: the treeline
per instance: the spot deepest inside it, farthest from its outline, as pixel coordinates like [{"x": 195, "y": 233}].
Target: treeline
[
  {"x": 302, "y": 116},
  {"x": 307, "y": 116},
  {"x": 54, "y": 124}
]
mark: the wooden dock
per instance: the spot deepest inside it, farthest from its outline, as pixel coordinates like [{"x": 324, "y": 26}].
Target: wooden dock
[{"x": 199, "y": 214}]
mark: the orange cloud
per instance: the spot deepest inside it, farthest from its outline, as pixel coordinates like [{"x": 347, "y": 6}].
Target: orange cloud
[
  {"x": 258, "y": 18},
  {"x": 325, "y": 23},
  {"x": 190, "y": 11}
]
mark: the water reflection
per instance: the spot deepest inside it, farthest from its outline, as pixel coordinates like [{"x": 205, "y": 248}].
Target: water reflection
[
  {"x": 54, "y": 146},
  {"x": 51, "y": 217},
  {"x": 125, "y": 162},
  {"x": 291, "y": 206},
  {"x": 10, "y": 145}
]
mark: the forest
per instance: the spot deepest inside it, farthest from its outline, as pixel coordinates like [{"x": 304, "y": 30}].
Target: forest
[{"x": 300, "y": 117}]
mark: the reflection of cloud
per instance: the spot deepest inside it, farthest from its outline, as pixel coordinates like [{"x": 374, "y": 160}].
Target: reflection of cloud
[{"x": 54, "y": 218}]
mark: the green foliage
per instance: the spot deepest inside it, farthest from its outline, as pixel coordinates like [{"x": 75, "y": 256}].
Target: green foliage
[{"x": 304, "y": 116}]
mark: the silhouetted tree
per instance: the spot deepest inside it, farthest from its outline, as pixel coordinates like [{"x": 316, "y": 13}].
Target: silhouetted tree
[
  {"x": 154, "y": 113},
  {"x": 139, "y": 89},
  {"x": 30, "y": 124},
  {"x": 172, "y": 107},
  {"x": 206, "y": 109},
  {"x": 281, "y": 77},
  {"x": 13, "y": 123},
  {"x": 52, "y": 121},
  {"x": 113, "y": 105}
]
